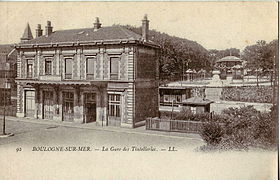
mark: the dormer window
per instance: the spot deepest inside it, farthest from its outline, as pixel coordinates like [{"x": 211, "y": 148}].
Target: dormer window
[{"x": 48, "y": 67}]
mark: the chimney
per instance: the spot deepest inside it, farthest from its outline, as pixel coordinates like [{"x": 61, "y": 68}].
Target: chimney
[
  {"x": 49, "y": 28},
  {"x": 27, "y": 34},
  {"x": 145, "y": 28},
  {"x": 96, "y": 24},
  {"x": 39, "y": 31}
]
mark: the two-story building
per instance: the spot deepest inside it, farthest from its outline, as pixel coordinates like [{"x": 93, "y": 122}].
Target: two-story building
[{"x": 107, "y": 75}]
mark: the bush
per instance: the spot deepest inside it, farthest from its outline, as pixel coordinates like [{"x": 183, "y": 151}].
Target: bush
[
  {"x": 244, "y": 127},
  {"x": 265, "y": 130},
  {"x": 212, "y": 133}
]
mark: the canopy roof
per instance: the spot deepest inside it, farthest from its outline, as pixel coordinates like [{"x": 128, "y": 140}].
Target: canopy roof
[
  {"x": 197, "y": 101},
  {"x": 230, "y": 59}
]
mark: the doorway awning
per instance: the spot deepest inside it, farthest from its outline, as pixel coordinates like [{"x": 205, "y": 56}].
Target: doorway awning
[{"x": 101, "y": 84}]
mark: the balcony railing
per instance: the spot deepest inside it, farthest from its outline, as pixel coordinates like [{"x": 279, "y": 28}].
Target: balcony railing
[
  {"x": 29, "y": 75},
  {"x": 50, "y": 77},
  {"x": 90, "y": 76},
  {"x": 113, "y": 76},
  {"x": 68, "y": 76}
]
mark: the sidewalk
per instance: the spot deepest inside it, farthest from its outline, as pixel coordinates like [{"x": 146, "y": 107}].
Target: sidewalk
[{"x": 92, "y": 126}]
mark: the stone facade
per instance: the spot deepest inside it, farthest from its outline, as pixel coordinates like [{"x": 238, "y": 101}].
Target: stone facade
[{"x": 45, "y": 84}]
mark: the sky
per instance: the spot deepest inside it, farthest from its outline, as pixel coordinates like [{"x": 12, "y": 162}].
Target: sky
[{"x": 214, "y": 25}]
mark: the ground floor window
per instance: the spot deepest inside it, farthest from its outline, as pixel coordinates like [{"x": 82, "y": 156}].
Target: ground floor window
[
  {"x": 114, "y": 105},
  {"x": 68, "y": 106},
  {"x": 48, "y": 103},
  {"x": 29, "y": 103},
  {"x": 193, "y": 110},
  {"x": 172, "y": 98},
  {"x": 89, "y": 107}
]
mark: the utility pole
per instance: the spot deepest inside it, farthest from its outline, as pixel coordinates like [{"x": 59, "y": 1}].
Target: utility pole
[
  {"x": 4, "y": 101},
  {"x": 183, "y": 73},
  {"x": 274, "y": 101},
  {"x": 183, "y": 69}
]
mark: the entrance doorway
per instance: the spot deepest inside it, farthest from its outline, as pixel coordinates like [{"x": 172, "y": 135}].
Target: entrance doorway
[
  {"x": 48, "y": 105},
  {"x": 114, "y": 116},
  {"x": 68, "y": 106},
  {"x": 29, "y": 103},
  {"x": 90, "y": 107}
]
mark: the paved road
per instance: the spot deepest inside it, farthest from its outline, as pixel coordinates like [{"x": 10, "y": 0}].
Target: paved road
[
  {"x": 33, "y": 134},
  {"x": 110, "y": 165}
]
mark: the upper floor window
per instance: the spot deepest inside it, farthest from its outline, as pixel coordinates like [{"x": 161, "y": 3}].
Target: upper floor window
[
  {"x": 90, "y": 68},
  {"x": 68, "y": 68},
  {"x": 114, "y": 68},
  {"x": 48, "y": 67},
  {"x": 29, "y": 68}
]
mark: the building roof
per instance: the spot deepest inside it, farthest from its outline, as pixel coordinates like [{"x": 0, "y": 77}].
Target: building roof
[
  {"x": 7, "y": 53},
  {"x": 197, "y": 101},
  {"x": 172, "y": 87},
  {"x": 86, "y": 34},
  {"x": 6, "y": 48},
  {"x": 229, "y": 59},
  {"x": 113, "y": 34}
]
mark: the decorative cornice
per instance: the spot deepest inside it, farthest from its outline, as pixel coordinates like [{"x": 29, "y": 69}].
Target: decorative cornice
[{"x": 86, "y": 43}]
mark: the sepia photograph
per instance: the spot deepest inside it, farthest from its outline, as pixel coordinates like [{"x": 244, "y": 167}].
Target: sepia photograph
[{"x": 139, "y": 90}]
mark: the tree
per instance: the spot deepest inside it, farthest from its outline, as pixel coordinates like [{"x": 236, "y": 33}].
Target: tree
[
  {"x": 260, "y": 57},
  {"x": 177, "y": 54}
]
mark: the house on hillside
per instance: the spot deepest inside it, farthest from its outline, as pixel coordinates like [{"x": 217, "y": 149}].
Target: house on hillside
[{"x": 107, "y": 75}]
